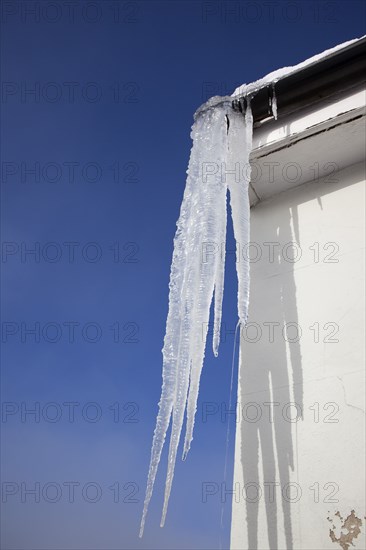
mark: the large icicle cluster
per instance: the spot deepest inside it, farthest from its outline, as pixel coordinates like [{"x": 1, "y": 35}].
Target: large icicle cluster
[{"x": 222, "y": 141}]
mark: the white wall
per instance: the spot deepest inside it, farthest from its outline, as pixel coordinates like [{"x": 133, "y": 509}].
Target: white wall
[{"x": 322, "y": 454}]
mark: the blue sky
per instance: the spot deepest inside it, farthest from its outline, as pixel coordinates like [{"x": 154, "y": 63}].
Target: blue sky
[{"x": 97, "y": 104}]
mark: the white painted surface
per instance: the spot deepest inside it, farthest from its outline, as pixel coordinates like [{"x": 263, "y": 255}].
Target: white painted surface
[
  {"x": 270, "y": 135},
  {"x": 319, "y": 151},
  {"x": 323, "y": 453}
]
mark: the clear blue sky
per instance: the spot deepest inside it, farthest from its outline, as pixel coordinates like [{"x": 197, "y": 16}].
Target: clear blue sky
[{"x": 106, "y": 129}]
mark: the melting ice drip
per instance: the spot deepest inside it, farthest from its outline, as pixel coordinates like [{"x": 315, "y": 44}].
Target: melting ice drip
[{"x": 222, "y": 142}]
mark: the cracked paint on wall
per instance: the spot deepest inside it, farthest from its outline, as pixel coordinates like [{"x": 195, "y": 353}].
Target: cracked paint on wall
[{"x": 348, "y": 531}]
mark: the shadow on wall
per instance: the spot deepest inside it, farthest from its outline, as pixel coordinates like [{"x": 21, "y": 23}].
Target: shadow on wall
[
  {"x": 271, "y": 372},
  {"x": 265, "y": 382}
]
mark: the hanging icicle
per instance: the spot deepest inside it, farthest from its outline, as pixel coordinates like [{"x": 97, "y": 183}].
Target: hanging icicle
[
  {"x": 274, "y": 100},
  {"x": 222, "y": 142}
]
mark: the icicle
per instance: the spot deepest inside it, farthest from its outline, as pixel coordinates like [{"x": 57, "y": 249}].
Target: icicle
[
  {"x": 196, "y": 275},
  {"x": 274, "y": 100},
  {"x": 219, "y": 278},
  {"x": 240, "y": 146},
  {"x": 211, "y": 272},
  {"x": 173, "y": 326}
]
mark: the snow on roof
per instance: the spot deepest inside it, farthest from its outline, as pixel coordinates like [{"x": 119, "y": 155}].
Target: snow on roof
[{"x": 274, "y": 76}]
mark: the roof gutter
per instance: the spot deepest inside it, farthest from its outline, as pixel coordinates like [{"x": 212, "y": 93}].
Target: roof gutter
[{"x": 340, "y": 71}]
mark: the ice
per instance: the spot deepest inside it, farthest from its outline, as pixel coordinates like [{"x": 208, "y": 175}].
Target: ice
[
  {"x": 219, "y": 275},
  {"x": 240, "y": 146},
  {"x": 221, "y": 141},
  {"x": 274, "y": 100}
]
